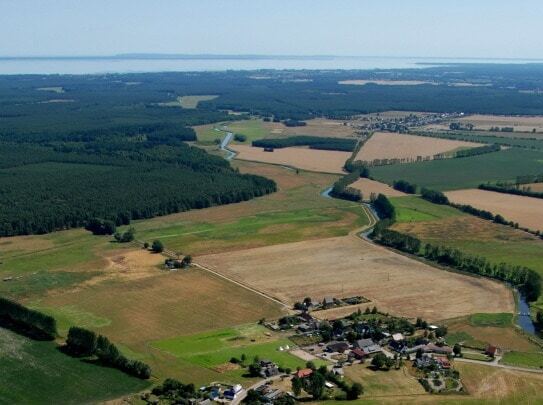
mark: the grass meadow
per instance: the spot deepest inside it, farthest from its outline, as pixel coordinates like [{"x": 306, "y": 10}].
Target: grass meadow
[
  {"x": 37, "y": 372},
  {"x": 213, "y": 350}
]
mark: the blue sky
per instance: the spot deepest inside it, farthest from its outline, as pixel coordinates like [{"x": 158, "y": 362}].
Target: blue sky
[{"x": 425, "y": 28}]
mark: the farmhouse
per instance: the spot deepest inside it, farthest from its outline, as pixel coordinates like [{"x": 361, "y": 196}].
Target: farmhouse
[
  {"x": 358, "y": 354},
  {"x": 368, "y": 346},
  {"x": 339, "y": 347},
  {"x": 303, "y": 373}
]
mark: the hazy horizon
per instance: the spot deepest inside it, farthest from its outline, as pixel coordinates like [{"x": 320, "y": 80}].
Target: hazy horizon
[{"x": 387, "y": 29}]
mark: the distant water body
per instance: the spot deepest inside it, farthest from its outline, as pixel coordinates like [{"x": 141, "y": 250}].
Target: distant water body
[{"x": 186, "y": 63}]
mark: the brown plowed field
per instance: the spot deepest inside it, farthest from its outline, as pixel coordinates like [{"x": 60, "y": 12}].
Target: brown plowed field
[
  {"x": 384, "y": 145},
  {"x": 347, "y": 266},
  {"x": 527, "y": 211},
  {"x": 521, "y": 124},
  {"x": 367, "y": 186},
  {"x": 326, "y": 161}
]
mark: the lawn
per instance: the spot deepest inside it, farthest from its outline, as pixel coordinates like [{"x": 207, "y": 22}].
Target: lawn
[
  {"x": 37, "y": 373},
  {"x": 383, "y": 383},
  {"x": 415, "y": 209},
  {"x": 213, "y": 350},
  {"x": 523, "y": 359},
  {"x": 476, "y": 356},
  {"x": 500, "y": 320},
  {"x": 452, "y": 174}
]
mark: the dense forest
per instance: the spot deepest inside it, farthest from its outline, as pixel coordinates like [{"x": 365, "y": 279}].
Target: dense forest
[
  {"x": 314, "y": 142},
  {"x": 114, "y": 146}
]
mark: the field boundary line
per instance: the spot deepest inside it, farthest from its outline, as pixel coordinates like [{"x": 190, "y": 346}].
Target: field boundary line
[{"x": 238, "y": 283}]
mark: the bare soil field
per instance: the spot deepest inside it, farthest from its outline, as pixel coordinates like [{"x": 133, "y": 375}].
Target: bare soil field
[
  {"x": 347, "y": 266},
  {"x": 384, "y": 145},
  {"x": 367, "y": 187},
  {"x": 537, "y": 187},
  {"x": 521, "y": 124},
  {"x": 527, "y": 211},
  {"x": 357, "y": 82},
  {"x": 326, "y": 161}
]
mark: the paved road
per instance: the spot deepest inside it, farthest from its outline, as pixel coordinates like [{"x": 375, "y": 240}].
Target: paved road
[{"x": 495, "y": 363}]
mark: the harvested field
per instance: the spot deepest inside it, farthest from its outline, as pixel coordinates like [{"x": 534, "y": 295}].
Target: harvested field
[
  {"x": 520, "y": 124},
  {"x": 357, "y": 82},
  {"x": 537, "y": 187},
  {"x": 326, "y": 161},
  {"x": 164, "y": 305},
  {"x": 367, "y": 187},
  {"x": 527, "y": 211},
  {"x": 348, "y": 266},
  {"x": 384, "y": 145},
  {"x": 492, "y": 384}
]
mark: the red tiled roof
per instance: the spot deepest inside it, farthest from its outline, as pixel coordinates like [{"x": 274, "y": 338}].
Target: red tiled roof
[
  {"x": 305, "y": 372},
  {"x": 359, "y": 352}
]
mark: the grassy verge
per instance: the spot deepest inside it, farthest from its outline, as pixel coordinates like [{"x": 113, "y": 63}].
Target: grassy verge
[{"x": 523, "y": 359}]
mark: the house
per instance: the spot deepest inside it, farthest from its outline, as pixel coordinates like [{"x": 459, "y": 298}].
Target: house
[
  {"x": 304, "y": 372},
  {"x": 233, "y": 392},
  {"x": 358, "y": 354},
  {"x": 338, "y": 370},
  {"x": 442, "y": 362},
  {"x": 339, "y": 347},
  {"x": 432, "y": 348},
  {"x": 268, "y": 369},
  {"x": 491, "y": 350},
  {"x": 368, "y": 346},
  {"x": 397, "y": 337},
  {"x": 327, "y": 302},
  {"x": 424, "y": 361},
  {"x": 328, "y": 384}
]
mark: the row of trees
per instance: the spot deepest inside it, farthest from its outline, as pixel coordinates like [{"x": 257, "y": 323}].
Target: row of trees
[
  {"x": 436, "y": 197},
  {"x": 511, "y": 190},
  {"x": 341, "y": 188},
  {"x": 525, "y": 279},
  {"x": 314, "y": 142},
  {"x": 384, "y": 208},
  {"x": 27, "y": 321},
  {"x": 404, "y": 186},
  {"x": 480, "y": 150},
  {"x": 83, "y": 342}
]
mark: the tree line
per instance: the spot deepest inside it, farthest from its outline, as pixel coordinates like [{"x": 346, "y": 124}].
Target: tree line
[
  {"x": 86, "y": 343},
  {"x": 404, "y": 186},
  {"x": 27, "y": 321},
  {"x": 341, "y": 188},
  {"x": 314, "y": 142},
  {"x": 511, "y": 190}
]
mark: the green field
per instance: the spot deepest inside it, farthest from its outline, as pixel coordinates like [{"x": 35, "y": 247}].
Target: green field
[
  {"x": 214, "y": 349},
  {"x": 37, "y": 373},
  {"x": 415, "y": 209},
  {"x": 253, "y": 129},
  {"x": 501, "y": 320},
  {"x": 451, "y": 174},
  {"x": 501, "y": 139},
  {"x": 476, "y": 356},
  {"x": 523, "y": 359},
  {"x": 259, "y": 229}
]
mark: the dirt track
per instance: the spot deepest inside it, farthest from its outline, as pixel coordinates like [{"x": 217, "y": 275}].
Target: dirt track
[{"x": 347, "y": 266}]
